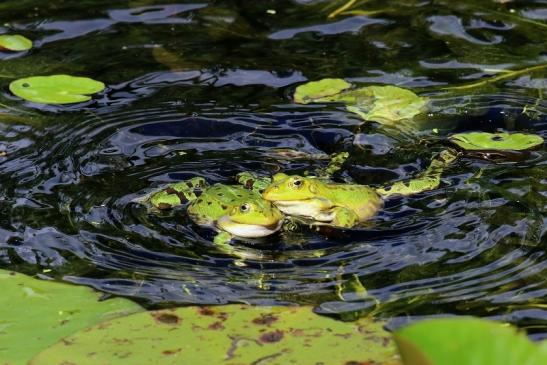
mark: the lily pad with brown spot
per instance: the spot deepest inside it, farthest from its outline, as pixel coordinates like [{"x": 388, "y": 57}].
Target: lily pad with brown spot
[
  {"x": 483, "y": 141},
  {"x": 230, "y": 335},
  {"x": 56, "y": 89}
]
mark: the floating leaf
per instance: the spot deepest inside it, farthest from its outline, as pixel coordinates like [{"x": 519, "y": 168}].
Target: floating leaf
[
  {"x": 233, "y": 334},
  {"x": 312, "y": 91},
  {"x": 476, "y": 141},
  {"x": 35, "y": 314},
  {"x": 466, "y": 341},
  {"x": 14, "y": 43},
  {"x": 56, "y": 89},
  {"x": 383, "y": 104}
]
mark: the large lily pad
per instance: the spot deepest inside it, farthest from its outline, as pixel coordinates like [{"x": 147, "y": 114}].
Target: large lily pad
[
  {"x": 56, "y": 89},
  {"x": 467, "y": 341},
  {"x": 477, "y": 141},
  {"x": 34, "y": 314},
  {"x": 14, "y": 43},
  {"x": 383, "y": 104},
  {"x": 233, "y": 334}
]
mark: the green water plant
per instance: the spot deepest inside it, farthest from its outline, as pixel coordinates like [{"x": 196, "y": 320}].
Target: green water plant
[
  {"x": 467, "y": 341},
  {"x": 56, "y": 89},
  {"x": 35, "y": 314},
  {"x": 232, "y": 334},
  {"x": 15, "y": 43},
  {"x": 475, "y": 141},
  {"x": 383, "y": 104}
]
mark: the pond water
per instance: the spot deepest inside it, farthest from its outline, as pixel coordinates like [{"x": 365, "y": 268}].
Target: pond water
[{"x": 204, "y": 89}]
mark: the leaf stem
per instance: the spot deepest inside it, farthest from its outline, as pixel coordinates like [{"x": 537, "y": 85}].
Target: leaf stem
[
  {"x": 506, "y": 75},
  {"x": 341, "y": 9}
]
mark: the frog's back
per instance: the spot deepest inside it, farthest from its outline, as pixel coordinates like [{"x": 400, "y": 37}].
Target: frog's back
[
  {"x": 217, "y": 201},
  {"x": 362, "y": 199}
]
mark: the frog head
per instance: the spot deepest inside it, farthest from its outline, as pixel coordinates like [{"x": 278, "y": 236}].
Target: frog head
[
  {"x": 293, "y": 187},
  {"x": 252, "y": 218}
]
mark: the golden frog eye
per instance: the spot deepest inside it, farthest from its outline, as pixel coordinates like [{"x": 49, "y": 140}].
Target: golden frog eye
[
  {"x": 244, "y": 208},
  {"x": 297, "y": 183}
]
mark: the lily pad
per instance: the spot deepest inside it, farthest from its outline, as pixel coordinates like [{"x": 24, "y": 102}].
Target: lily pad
[
  {"x": 232, "y": 334},
  {"x": 56, "y": 89},
  {"x": 14, "y": 43},
  {"x": 382, "y": 104},
  {"x": 312, "y": 91},
  {"x": 467, "y": 341},
  {"x": 477, "y": 141},
  {"x": 35, "y": 314}
]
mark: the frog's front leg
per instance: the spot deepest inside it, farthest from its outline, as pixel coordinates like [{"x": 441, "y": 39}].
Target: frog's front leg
[
  {"x": 252, "y": 181},
  {"x": 344, "y": 217},
  {"x": 222, "y": 240},
  {"x": 177, "y": 194}
]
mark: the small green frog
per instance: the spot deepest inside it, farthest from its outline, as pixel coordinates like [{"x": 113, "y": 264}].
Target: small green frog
[
  {"x": 345, "y": 205},
  {"x": 233, "y": 210}
]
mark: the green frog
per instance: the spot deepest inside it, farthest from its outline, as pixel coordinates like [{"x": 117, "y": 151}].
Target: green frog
[
  {"x": 345, "y": 205},
  {"x": 231, "y": 209}
]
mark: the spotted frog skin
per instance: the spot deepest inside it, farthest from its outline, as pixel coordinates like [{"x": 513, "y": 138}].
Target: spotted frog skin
[
  {"x": 233, "y": 210},
  {"x": 345, "y": 205}
]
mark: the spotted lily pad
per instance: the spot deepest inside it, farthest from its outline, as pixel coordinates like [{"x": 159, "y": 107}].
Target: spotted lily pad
[
  {"x": 383, "y": 104},
  {"x": 477, "y": 141},
  {"x": 35, "y": 314},
  {"x": 14, "y": 43},
  {"x": 56, "y": 89},
  {"x": 232, "y": 334},
  {"x": 467, "y": 341}
]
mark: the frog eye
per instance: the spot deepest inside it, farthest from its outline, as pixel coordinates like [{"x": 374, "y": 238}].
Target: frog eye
[
  {"x": 244, "y": 208},
  {"x": 297, "y": 183}
]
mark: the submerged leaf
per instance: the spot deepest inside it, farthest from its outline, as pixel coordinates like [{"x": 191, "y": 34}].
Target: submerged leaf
[
  {"x": 466, "y": 341},
  {"x": 383, "y": 104},
  {"x": 476, "y": 141},
  {"x": 14, "y": 43},
  {"x": 232, "y": 334},
  {"x": 35, "y": 314},
  {"x": 56, "y": 89}
]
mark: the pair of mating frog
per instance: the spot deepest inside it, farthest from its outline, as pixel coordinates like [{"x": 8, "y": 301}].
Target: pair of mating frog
[{"x": 257, "y": 207}]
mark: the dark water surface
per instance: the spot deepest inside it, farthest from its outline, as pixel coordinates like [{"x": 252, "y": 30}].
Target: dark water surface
[{"x": 203, "y": 89}]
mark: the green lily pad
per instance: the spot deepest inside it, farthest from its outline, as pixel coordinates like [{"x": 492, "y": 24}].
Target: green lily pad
[
  {"x": 232, "y": 334},
  {"x": 312, "y": 91},
  {"x": 382, "y": 104},
  {"x": 56, "y": 89},
  {"x": 467, "y": 341},
  {"x": 476, "y": 141},
  {"x": 14, "y": 43},
  {"x": 35, "y": 314}
]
